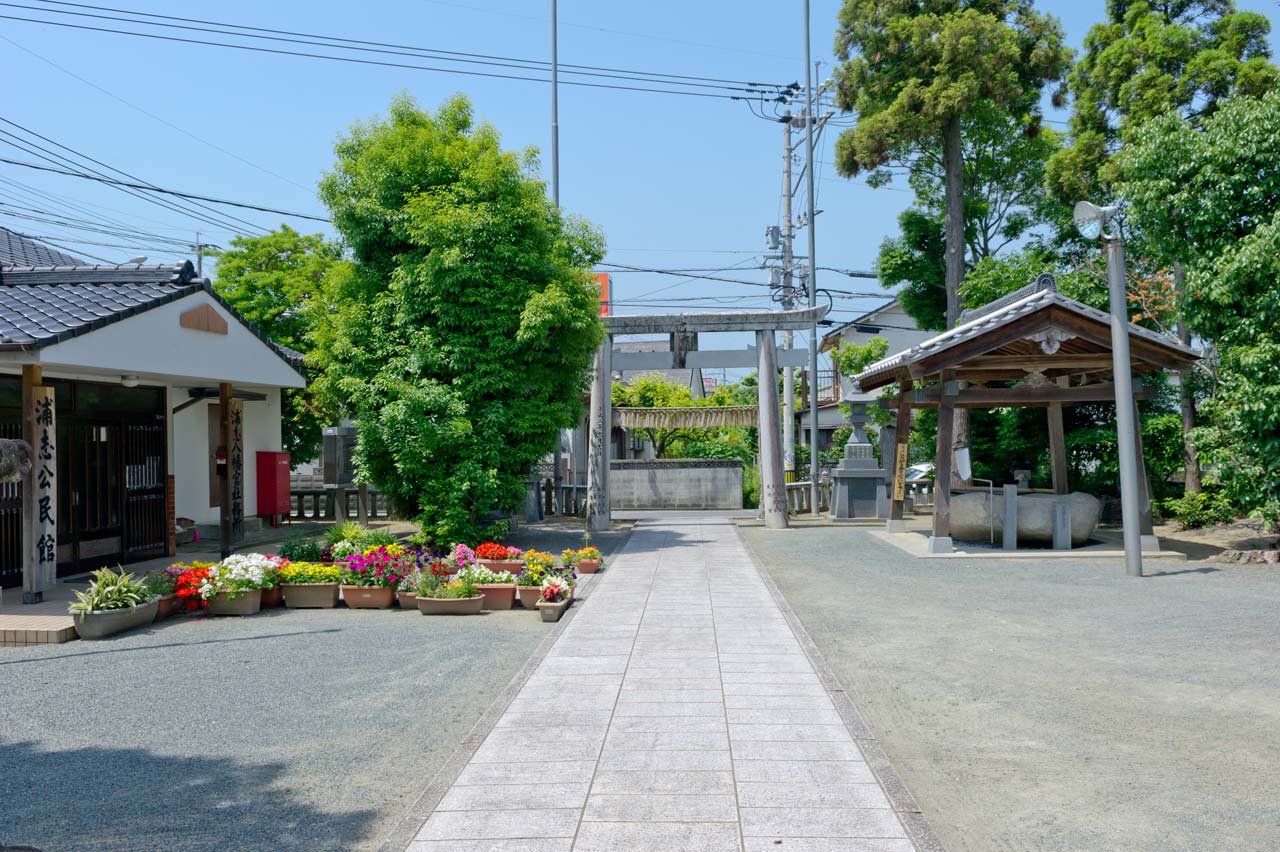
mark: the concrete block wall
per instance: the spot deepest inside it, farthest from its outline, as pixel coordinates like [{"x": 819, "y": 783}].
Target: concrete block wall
[{"x": 676, "y": 484}]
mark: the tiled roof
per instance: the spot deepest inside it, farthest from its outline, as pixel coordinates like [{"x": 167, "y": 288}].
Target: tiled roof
[
  {"x": 44, "y": 305},
  {"x": 18, "y": 250},
  {"x": 985, "y": 320}
]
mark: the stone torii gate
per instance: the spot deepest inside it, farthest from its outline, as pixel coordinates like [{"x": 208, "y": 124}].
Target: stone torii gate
[{"x": 684, "y": 329}]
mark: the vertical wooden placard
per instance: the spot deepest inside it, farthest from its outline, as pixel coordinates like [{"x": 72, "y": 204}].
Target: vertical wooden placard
[
  {"x": 235, "y": 469},
  {"x": 900, "y": 472},
  {"x": 40, "y": 504}
]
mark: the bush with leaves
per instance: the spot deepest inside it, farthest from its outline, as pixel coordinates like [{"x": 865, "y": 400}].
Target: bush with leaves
[
  {"x": 1204, "y": 509},
  {"x": 462, "y": 340}
]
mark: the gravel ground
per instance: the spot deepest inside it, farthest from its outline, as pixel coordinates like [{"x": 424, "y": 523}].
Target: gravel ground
[
  {"x": 1055, "y": 704},
  {"x": 290, "y": 730}
]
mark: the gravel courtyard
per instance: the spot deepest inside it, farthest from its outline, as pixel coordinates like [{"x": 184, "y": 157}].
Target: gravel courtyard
[
  {"x": 1055, "y": 704},
  {"x": 290, "y": 730}
]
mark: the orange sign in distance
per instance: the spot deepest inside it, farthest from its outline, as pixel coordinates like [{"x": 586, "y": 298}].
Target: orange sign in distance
[{"x": 602, "y": 278}]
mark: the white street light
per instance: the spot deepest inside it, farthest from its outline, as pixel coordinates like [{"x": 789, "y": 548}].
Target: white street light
[{"x": 1091, "y": 220}]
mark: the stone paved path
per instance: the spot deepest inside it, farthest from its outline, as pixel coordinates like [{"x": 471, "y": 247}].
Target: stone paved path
[{"x": 676, "y": 712}]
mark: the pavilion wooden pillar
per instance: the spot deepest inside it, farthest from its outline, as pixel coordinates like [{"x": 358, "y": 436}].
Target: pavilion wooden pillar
[
  {"x": 898, "y": 495},
  {"x": 600, "y": 437},
  {"x": 231, "y": 502},
  {"x": 773, "y": 488},
  {"x": 1058, "y": 445},
  {"x": 1145, "y": 524},
  {"x": 940, "y": 541},
  {"x": 39, "y": 488}
]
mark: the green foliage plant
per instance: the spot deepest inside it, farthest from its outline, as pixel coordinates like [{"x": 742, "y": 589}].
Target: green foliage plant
[
  {"x": 300, "y": 547},
  {"x": 1204, "y": 509},
  {"x": 111, "y": 590},
  {"x": 159, "y": 583},
  {"x": 461, "y": 341},
  {"x": 345, "y": 531}
]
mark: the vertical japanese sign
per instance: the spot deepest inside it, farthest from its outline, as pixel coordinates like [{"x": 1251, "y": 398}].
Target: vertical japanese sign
[
  {"x": 900, "y": 472},
  {"x": 602, "y": 278},
  {"x": 42, "y": 539},
  {"x": 235, "y": 469}
]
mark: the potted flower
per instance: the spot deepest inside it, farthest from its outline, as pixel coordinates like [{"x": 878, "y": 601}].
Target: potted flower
[
  {"x": 529, "y": 585},
  {"x": 115, "y": 601},
  {"x": 161, "y": 585},
  {"x": 499, "y": 557},
  {"x": 310, "y": 585},
  {"x": 460, "y": 556},
  {"x": 439, "y": 596},
  {"x": 586, "y": 561},
  {"x": 272, "y": 586},
  {"x": 370, "y": 579},
  {"x": 498, "y": 588},
  {"x": 234, "y": 585},
  {"x": 189, "y": 582},
  {"x": 555, "y": 598}
]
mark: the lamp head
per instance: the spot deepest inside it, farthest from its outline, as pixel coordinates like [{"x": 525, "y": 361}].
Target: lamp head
[{"x": 1091, "y": 220}]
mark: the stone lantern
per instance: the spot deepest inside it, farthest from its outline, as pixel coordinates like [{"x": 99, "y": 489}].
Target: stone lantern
[{"x": 857, "y": 485}]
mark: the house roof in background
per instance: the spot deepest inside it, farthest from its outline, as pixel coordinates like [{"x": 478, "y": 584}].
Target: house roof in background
[{"x": 20, "y": 250}]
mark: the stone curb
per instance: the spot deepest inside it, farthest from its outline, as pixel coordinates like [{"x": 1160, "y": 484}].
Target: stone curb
[
  {"x": 900, "y": 798},
  {"x": 408, "y": 826}
]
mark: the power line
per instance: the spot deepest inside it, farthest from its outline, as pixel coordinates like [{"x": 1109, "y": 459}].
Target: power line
[
  {"x": 153, "y": 116},
  {"x": 173, "y": 192},
  {"x": 364, "y": 44},
  {"x": 373, "y": 62},
  {"x": 144, "y": 186}
]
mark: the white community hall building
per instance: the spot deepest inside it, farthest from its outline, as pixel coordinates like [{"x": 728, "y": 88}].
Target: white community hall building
[{"x": 144, "y": 397}]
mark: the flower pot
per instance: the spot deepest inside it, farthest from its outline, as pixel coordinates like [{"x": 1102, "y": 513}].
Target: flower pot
[
  {"x": 272, "y": 598},
  {"x": 553, "y": 611},
  {"x": 515, "y": 566},
  {"x": 368, "y": 597},
  {"x": 529, "y": 595},
  {"x": 588, "y": 566},
  {"x": 450, "y": 606},
  {"x": 497, "y": 595},
  {"x": 310, "y": 595},
  {"x": 104, "y": 622},
  {"x": 166, "y": 605},
  {"x": 408, "y": 600},
  {"x": 246, "y": 604}
]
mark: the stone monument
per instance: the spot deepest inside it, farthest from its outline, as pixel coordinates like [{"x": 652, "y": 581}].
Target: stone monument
[{"x": 857, "y": 485}]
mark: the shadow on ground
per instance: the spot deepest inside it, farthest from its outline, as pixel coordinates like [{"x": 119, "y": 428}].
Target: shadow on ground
[{"x": 132, "y": 799}]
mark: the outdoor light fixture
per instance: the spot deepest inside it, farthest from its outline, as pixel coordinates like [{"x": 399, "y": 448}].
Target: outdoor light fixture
[
  {"x": 1091, "y": 220},
  {"x": 140, "y": 259},
  {"x": 129, "y": 381}
]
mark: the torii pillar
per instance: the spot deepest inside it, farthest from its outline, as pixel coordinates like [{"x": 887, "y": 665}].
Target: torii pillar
[
  {"x": 599, "y": 438},
  {"x": 773, "y": 489}
]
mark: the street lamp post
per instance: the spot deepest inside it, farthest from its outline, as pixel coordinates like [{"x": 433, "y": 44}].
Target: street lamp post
[{"x": 1091, "y": 220}]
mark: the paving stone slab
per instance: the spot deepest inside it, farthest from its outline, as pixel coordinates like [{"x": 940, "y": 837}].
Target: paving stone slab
[
  {"x": 820, "y": 822},
  {"x": 657, "y": 837},
  {"x": 668, "y": 781},
  {"x": 661, "y": 807},
  {"x": 513, "y": 824}
]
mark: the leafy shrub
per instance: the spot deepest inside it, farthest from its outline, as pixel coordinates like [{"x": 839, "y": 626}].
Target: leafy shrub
[
  {"x": 111, "y": 590},
  {"x": 346, "y": 531},
  {"x": 750, "y": 487},
  {"x": 310, "y": 572},
  {"x": 159, "y": 583},
  {"x": 300, "y": 547},
  {"x": 1193, "y": 511}
]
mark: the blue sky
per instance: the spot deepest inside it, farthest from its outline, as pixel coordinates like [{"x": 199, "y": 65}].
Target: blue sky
[{"x": 674, "y": 182}]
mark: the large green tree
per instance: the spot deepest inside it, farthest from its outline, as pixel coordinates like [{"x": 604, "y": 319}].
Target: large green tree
[
  {"x": 1150, "y": 59},
  {"x": 1004, "y": 199},
  {"x": 1211, "y": 194},
  {"x": 913, "y": 69},
  {"x": 462, "y": 341},
  {"x": 275, "y": 281}
]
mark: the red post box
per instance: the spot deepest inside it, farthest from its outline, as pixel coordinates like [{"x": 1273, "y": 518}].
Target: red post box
[{"x": 273, "y": 485}]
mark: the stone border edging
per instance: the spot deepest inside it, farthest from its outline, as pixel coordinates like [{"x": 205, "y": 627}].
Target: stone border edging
[
  {"x": 904, "y": 804},
  {"x": 408, "y": 826}
]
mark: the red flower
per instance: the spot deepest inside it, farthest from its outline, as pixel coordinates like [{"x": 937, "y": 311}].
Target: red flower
[{"x": 491, "y": 550}]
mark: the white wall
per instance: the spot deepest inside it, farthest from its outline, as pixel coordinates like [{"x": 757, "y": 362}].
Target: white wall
[
  {"x": 896, "y": 327},
  {"x": 190, "y": 428}
]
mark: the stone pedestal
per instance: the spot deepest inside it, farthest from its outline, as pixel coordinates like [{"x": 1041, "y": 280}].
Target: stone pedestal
[{"x": 857, "y": 485}]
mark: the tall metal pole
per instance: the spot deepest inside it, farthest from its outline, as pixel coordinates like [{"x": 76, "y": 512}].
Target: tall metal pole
[
  {"x": 788, "y": 336},
  {"x": 810, "y": 120},
  {"x": 557, "y": 464},
  {"x": 1126, "y": 425},
  {"x": 555, "y": 110},
  {"x": 199, "y": 256}
]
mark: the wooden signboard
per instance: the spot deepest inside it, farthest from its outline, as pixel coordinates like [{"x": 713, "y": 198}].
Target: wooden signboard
[
  {"x": 900, "y": 473},
  {"x": 40, "y": 503}
]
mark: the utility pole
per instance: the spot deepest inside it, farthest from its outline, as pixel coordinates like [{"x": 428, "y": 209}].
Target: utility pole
[
  {"x": 788, "y": 302},
  {"x": 557, "y": 463},
  {"x": 199, "y": 256},
  {"x": 810, "y": 120}
]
